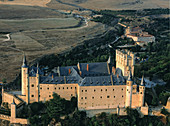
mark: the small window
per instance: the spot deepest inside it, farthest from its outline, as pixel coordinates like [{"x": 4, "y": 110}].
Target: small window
[
  {"x": 75, "y": 87},
  {"x": 48, "y": 88},
  {"x": 122, "y": 89},
  {"x": 32, "y": 85},
  {"x": 122, "y": 96},
  {"x": 108, "y": 96},
  {"x": 85, "y": 97},
  {"x": 63, "y": 87},
  {"x": 71, "y": 94},
  {"x": 141, "y": 93},
  {"x": 92, "y": 97},
  {"x": 55, "y": 88},
  {"x": 81, "y": 90},
  {"x": 127, "y": 89},
  {"x": 114, "y": 96},
  {"x": 40, "y": 87},
  {"x": 85, "y": 90},
  {"x": 39, "y": 95},
  {"x": 101, "y": 90},
  {"x": 106, "y": 90},
  {"x": 67, "y": 87},
  {"x": 59, "y": 88},
  {"x": 113, "y": 89},
  {"x": 100, "y": 96},
  {"x": 71, "y": 87},
  {"x": 49, "y": 95},
  {"x": 94, "y": 90},
  {"x": 81, "y": 103},
  {"x": 81, "y": 97},
  {"x": 32, "y": 95}
]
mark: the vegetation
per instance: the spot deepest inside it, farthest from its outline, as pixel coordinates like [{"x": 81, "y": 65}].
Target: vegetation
[{"x": 43, "y": 113}]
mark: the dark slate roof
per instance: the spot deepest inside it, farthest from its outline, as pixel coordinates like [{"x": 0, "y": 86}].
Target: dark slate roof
[
  {"x": 119, "y": 72},
  {"x": 95, "y": 69},
  {"x": 64, "y": 71},
  {"x": 52, "y": 79},
  {"x": 33, "y": 71},
  {"x": 102, "y": 81}
]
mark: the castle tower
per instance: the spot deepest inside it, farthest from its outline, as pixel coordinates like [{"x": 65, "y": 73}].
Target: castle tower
[
  {"x": 13, "y": 110},
  {"x": 37, "y": 83},
  {"x": 142, "y": 92},
  {"x": 24, "y": 71},
  {"x": 129, "y": 86}
]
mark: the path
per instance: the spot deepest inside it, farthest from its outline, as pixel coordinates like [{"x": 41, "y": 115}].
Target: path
[{"x": 8, "y": 37}]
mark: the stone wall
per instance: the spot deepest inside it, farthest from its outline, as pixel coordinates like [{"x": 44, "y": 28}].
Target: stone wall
[{"x": 101, "y": 97}]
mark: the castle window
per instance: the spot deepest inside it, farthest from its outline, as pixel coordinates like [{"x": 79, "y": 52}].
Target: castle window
[
  {"x": 114, "y": 96},
  {"x": 32, "y": 85},
  {"x": 113, "y": 89},
  {"x": 39, "y": 95},
  {"x": 127, "y": 89},
  {"x": 55, "y": 88},
  {"x": 81, "y": 103},
  {"x": 92, "y": 97},
  {"x": 75, "y": 87},
  {"x": 122, "y": 96},
  {"x": 48, "y": 88},
  {"x": 59, "y": 88},
  {"x": 106, "y": 90},
  {"x": 49, "y": 95},
  {"x": 40, "y": 87},
  {"x": 85, "y": 90},
  {"x": 71, "y": 94},
  {"x": 101, "y": 90},
  {"x": 141, "y": 93},
  {"x": 71, "y": 87},
  {"x": 67, "y": 87},
  {"x": 85, "y": 103},
  {"x": 108, "y": 96},
  {"x": 100, "y": 96},
  {"x": 81, "y": 97},
  {"x": 122, "y": 89},
  {"x": 85, "y": 97},
  {"x": 81, "y": 90},
  {"x": 32, "y": 95},
  {"x": 94, "y": 90},
  {"x": 63, "y": 87}
]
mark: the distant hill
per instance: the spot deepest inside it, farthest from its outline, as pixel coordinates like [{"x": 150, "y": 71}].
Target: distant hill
[
  {"x": 92, "y": 4},
  {"x": 110, "y": 4}
]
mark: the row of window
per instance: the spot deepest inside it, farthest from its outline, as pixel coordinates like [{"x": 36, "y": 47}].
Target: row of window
[
  {"x": 59, "y": 88},
  {"x": 100, "y": 97},
  {"x": 100, "y": 90},
  {"x": 102, "y": 105},
  {"x": 49, "y": 95}
]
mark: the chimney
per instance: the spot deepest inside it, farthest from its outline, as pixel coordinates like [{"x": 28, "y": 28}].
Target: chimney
[
  {"x": 87, "y": 67},
  {"x": 69, "y": 71},
  {"x": 113, "y": 70},
  {"x": 52, "y": 76},
  {"x": 117, "y": 75}
]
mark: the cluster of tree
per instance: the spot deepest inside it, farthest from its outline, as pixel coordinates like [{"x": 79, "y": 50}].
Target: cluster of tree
[
  {"x": 134, "y": 12},
  {"x": 49, "y": 112},
  {"x": 132, "y": 119}
]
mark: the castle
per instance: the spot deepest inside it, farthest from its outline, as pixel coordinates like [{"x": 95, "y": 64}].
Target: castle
[{"x": 97, "y": 86}]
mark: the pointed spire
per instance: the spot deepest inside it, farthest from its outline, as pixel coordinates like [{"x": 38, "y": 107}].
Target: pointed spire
[
  {"x": 142, "y": 81},
  {"x": 37, "y": 68},
  {"x": 24, "y": 62},
  {"x": 130, "y": 76},
  {"x": 13, "y": 102},
  {"x": 109, "y": 60}
]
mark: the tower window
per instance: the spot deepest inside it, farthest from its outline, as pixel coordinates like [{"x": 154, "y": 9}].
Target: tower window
[
  {"x": 113, "y": 89},
  {"x": 67, "y": 87},
  {"x": 92, "y": 97},
  {"x": 40, "y": 87},
  {"x": 49, "y": 95},
  {"x": 101, "y": 90},
  {"x": 85, "y": 97},
  {"x": 108, "y": 96},
  {"x": 81, "y": 97},
  {"x": 32, "y": 85},
  {"x": 122, "y": 96},
  {"x": 63, "y": 87},
  {"x": 94, "y": 90},
  {"x": 75, "y": 87},
  {"x": 59, "y": 88},
  {"x": 71, "y": 87},
  {"x": 71, "y": 94},
  {"x": 100, "y": 96},
  {"x": 85, "y": 90},
  {"x": 48, "y": 88},
  {"x": 106, "y": 90},
  {"x": 122, "y": 89},
  {"x": 55, "y": 88},
  {"x": 81, "y": 90},
  {"x": 114, "y": 96},
  {"x": 32, "y": 95},
  {"x": 141, "y": 93}
]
